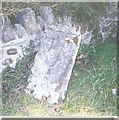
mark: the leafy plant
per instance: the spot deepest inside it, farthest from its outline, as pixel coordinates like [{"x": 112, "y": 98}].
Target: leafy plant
[
  {"x": 16, "y": 78},
  {"x": 81, "y": 12}
]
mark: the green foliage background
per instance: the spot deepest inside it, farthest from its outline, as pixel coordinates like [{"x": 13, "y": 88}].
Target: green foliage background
[{"x": 15, "y": 79}]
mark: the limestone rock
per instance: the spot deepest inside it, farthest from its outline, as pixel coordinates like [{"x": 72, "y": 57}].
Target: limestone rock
[
  {"x": 1, "y": 27},
  {"x": 2, "y": 52},
  {"x": 27, "y": 19},
  {"x": 20, "y": 31},
  {"x": 7, "y": 32},
  {"x": 47, "y": 15},
  {"x": 0, "y": 36},
  {"x": 41, "y": 23}
]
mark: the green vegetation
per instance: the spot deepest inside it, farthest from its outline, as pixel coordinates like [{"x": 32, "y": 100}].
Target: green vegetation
[
  {"x": 81, "y": 12},
  {"x": 94, "y": 83},
  {"x": 14, "y": 80},
  {"x": 89, "y": 92},
  {"x": 92, "y": 80}
]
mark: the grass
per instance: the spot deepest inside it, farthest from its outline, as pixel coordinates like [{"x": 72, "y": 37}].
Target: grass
[{"x": 89, "y": 92}]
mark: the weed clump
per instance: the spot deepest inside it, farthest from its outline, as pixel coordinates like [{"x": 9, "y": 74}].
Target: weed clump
[{"x": 14, "y": 80}]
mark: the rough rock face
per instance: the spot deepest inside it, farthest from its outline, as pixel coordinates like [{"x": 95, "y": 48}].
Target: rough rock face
[
  {"x": 26, "y": 17},
  {"x": 41, "y": 23},
  {"x": 7, "y": 32},
  {"x": 47, "y": 15},
  {"x": 20, "y": 31},
  {"x": 1, "y": 27},
  {"x": 108, "y": 26}
]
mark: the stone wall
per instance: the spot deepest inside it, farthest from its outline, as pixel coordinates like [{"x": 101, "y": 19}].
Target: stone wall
[
  {"x": 106, "y": 27},
  {"x": 13, "y": 40}
]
